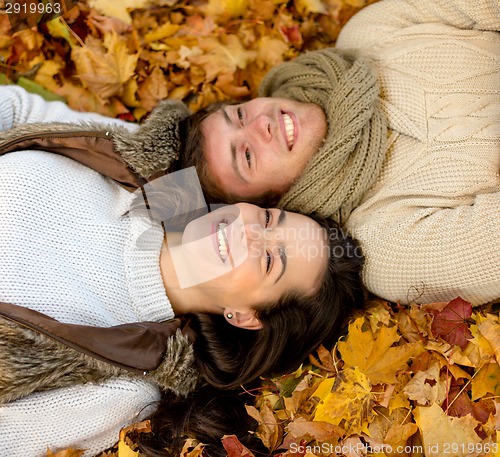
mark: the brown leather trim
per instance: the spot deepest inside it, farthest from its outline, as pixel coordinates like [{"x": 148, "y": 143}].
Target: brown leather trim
[
  {"x": 94, "y": 149},
  {"x": 138, "y": 347}
]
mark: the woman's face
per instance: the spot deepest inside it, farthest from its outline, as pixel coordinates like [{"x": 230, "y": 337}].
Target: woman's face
[
  {"x": 262, "y": 145},
  {"x": 240, "y": 256}
]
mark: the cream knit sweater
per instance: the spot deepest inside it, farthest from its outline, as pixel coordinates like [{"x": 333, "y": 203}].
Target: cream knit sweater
[
  {"x": 430, "y": 226},
  {"x": 68, "y": 251}
]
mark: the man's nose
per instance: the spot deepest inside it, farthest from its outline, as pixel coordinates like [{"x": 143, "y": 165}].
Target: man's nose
[{"x": 262, "y": 126}]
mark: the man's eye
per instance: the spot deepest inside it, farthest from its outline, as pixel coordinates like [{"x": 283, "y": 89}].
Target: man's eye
[
  {"x": 248, "y": 157},
  {"x": 240, "y": 114}
]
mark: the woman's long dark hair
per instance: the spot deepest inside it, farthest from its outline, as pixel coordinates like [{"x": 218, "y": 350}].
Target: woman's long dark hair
[{"x": 229, "y": 357}]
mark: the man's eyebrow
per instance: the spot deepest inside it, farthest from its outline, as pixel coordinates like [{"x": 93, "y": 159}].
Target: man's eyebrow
[
  {"x": 282, "y": 248},
  {"x": 234, "y": 163}
]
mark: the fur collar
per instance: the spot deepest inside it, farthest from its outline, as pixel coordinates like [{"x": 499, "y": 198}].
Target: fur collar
[
  {"x": 149, "y": 149},
  {"x": 32, "y": 362}
]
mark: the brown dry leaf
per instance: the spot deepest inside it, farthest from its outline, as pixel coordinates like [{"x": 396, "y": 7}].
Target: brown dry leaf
[
  {"x": 153, "y": 89},
  {"x": 270, "y": 52},
  {"x": 414, "y": 323},
  {"x": 222, "y": 56},
  {"x": 320, "y": 431},
  {"x": 234, "y": 448},
  {"x": 268, "y": 430},
  {"x": 378, "y": 312},
  {"x": 374, "y": 354},
  {"x": 192, "y": 448},
  {"x": 349, "y": 402},
  {"x": 398, "y": 435},
  {"x": 440, "y": 432},
  {"x": 427, "y": 387},
  {"x": 105, "y": 71}
]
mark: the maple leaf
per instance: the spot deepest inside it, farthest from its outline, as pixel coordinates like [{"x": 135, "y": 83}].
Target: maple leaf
[
  {"x": 487, "y": 380},
  {"x": 490, "y": 329},
  {"x": 105, "y": 72},
  {"x": 440, "y": 432},
  {"x": 345, "y": 400},
  {"x": 451, "y": 323},
  {"x": 222, "y": 56},
  {"x": 374, "y": 354}
]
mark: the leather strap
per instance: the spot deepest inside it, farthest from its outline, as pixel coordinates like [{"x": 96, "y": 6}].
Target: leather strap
[{"x": 137, "y": 347}]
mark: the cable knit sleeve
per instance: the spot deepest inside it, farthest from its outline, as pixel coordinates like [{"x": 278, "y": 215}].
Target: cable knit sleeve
[
  {"x": 19, "y": 107},
  {"x": 379, "y": 21},
  {"x": 435, "y": 254},
  {"x": 81, "y": 417}
]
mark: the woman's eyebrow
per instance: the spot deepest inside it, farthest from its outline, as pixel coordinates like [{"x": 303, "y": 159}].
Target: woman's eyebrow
[{"x": 282, "y": 248}]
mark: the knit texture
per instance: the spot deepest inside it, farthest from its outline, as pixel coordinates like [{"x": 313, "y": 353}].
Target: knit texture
[
  {"x": 429, "y": 224},
  {"x": 348, "y": 163},
  {"x": 71, "y": 274}
]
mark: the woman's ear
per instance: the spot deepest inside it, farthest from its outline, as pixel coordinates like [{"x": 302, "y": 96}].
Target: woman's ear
[{"x": 246, "y": 320}]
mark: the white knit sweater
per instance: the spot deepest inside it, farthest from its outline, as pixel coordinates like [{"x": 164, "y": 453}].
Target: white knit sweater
[
  {"x": 68, "y": 251},
  {"x": 430, "y": 226}
]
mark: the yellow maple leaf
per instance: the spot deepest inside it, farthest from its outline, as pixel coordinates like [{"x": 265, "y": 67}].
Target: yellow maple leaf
[
  {"x": 445, "y": 435},
  {"x": 349, "y": 402},
  {"x": 105, "y": 72},
  {"x": 490, "y": 329},
  {"x": 373, "y": 352},
  {"x": 487, "y": 380}
]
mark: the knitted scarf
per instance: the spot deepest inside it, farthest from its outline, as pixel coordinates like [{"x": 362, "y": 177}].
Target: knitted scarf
[{"x": 349, "y": 161}]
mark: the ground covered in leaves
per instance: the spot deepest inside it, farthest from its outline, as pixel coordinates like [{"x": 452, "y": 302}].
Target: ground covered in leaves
[{"x": 405, "y": 380}]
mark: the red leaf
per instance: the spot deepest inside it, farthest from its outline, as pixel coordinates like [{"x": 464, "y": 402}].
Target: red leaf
[
  {"x": 234, "y": 448},
  {"x": 451, "y": 322}
]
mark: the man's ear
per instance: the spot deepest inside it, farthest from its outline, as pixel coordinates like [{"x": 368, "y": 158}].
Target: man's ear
[{"x": 246, "y": 320}]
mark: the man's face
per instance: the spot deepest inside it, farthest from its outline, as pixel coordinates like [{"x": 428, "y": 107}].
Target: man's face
[{"x": 262, "y": 145}]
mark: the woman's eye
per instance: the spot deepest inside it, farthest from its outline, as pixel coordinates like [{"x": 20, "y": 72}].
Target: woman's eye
[
  {"x": 248, "y": 157},
  {"x": 239, "y": 112},
  {"x": 268, "y": 217},
  {"x": 269, "y": 260}
]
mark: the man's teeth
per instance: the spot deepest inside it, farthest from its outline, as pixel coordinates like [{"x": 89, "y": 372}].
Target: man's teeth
[
  {"x": 221, "y": 240},
  {"x": 289, "y": 129}
]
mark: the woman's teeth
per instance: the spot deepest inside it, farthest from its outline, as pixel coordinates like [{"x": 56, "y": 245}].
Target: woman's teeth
[
  {"x": 289, "y": 129},
  {"x": 221, "y": 240}
]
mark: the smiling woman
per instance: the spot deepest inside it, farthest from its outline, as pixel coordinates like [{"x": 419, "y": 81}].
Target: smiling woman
[{"x": 262, "y": 290}]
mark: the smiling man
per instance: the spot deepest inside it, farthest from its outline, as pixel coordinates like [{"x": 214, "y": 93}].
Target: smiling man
[{"x": 262, "y": 145}]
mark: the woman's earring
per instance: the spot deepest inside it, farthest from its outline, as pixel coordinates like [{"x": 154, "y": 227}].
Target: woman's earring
[{"x": 229, "y": 315}]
